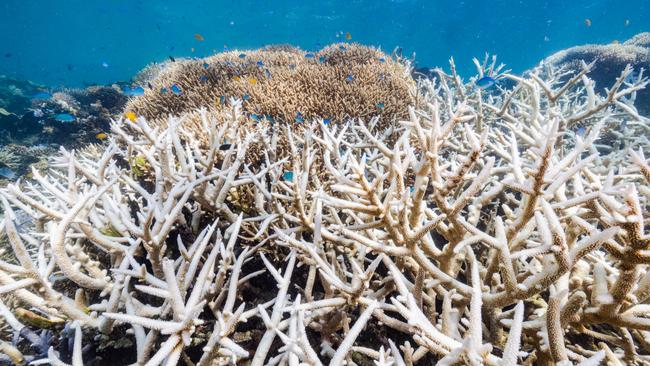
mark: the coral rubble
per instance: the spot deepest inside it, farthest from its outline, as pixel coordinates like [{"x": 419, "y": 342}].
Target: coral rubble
[{"x": 479, "y": 229}]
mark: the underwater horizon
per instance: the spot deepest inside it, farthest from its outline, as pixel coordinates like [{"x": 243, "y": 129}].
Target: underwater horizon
[{"x": 79, "y": 43}]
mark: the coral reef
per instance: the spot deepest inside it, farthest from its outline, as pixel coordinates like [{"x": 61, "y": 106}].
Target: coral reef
[
  {"x": 609, "y": 60},
  {"x": 488, "y": 231},
  {"x": 29, "y": 127},
  {"x": 338, "y": 82}
]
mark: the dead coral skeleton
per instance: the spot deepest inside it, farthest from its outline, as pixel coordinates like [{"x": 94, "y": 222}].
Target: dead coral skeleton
[{"x": 482, "y": 230}]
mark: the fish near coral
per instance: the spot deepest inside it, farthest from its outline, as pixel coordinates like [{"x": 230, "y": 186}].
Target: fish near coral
[
  {"x": 65, "y": 117},
  {"x": 485, "y": 82},
  {"x": 130, "y": 116}
]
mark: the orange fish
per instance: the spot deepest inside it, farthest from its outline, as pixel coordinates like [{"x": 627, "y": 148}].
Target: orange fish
[
  {"x": 252, "y": 81},
  {"x": 348, "y": 36},
  {"x": 130, "y": 116},
  {"x": 588, "y": 22},
  {"x": 199, "y": 37},
  {"x": 101, "y": 136}
]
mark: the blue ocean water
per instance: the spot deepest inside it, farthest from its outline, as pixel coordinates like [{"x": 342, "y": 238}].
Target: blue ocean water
[{"x": 81, "y": 42}]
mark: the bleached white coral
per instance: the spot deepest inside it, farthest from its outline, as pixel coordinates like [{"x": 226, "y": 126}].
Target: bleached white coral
[{"x": 486, "y": 203}]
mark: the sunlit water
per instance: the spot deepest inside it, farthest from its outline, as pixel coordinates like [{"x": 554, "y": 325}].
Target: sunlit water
[{"x": 77, "y": 42}]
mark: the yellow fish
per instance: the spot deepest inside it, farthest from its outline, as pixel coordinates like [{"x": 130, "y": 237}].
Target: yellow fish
[
  {"x": 199, "y": 37},
  {"x": 348, "y": 36},
  {"x": 101, "y": 136},
  {"x": 236, "y": 78},
  {"x": 130, "y": 116},
  {"x": 252, "y": 81}
]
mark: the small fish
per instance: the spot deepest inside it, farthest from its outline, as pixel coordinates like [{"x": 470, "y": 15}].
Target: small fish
[
  {"x": 149, "y": 85},
  {"x": 130, "y": 116},
  {"x": 133, "y": 92},
  {"x": 588, "y": 22},
  {"x": 65, "y": 117},
  {"x": 4, "y": 112},
  {"x": 172, "y": 59},
  {"x": 299, "y": 118},
  {"x": 38, "y": 113},
  {"x": 627, "y": 22},
  {"x": 225, "y": 147},
  {"x": 260, "y": 63},
  {"x": 225, "y": 47},
  {"x": 163, "y": 91},
  {"x": 288, "y": 176},
  {"x": 349, "y": 79},
  {"x": 581, "y": 131},
  {"x": 348, "y": 36},
  {"x": 192, "y": 49},
  {"x": 292, "y": 66},
  {"x": 199, "y": 37},
  {"x": 255, "y": 117},
  {"x": 236, "y": 78},
  {"x": 309, "y": 55},
  {"x": 176, "y": 90},
  {"x": 342, "y": 48},
  {"x": 321, "y": 59},
  {"x": 485, "y": 82},
  {"x": 382, "y": 60},
  {"x": 267, "y": 73},
  {"x": 242, "y": 55},
  {"x": 42, "y": 95},
  {"x": 252, "y": 81},
  {"x": 101, "y": 136},
  {"x": 245, "y": 97},
  {"x": 327, "y": 121},
  {"x": 380, "y": 105},
  {"x": 203, "y": 78},
  {"x": 206, "y": 65},
  {"x": 105, "y": 64}
]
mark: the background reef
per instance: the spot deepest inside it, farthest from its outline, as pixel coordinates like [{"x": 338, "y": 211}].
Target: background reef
[{"x": 30, "y": 125}]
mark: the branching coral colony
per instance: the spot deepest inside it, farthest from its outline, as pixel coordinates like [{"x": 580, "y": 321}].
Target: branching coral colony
[{"x": 488, "y": 228}]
